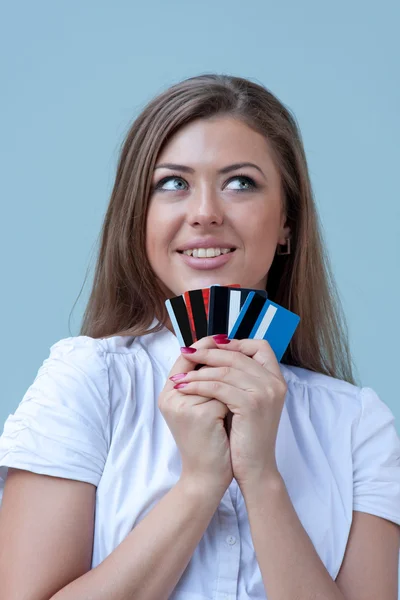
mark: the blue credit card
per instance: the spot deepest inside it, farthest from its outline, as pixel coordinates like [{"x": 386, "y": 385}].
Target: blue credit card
[{"x": 265, "y": 320}]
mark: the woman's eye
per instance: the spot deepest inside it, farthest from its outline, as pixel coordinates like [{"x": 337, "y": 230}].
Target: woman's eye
[
  {"x": 174, "y": 183},
  {"x": 242, "y": 183},
  {"x": 171, "y": 183}
]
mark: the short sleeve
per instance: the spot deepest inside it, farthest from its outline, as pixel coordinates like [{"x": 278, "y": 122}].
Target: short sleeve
[
  {"x": 60, "y": 426},
  {"x": 376, "y": 459}
]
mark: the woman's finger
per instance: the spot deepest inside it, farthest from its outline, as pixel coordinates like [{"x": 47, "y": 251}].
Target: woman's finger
[
  {"x": 183, "y": 364},
  {"x": 218, "y": 357},
  {"x": 238, "y": 350},
  {"x": 238, "y": 379},
  {"x": 260, "y": 351},
  {"x": 234, "y": 398}
]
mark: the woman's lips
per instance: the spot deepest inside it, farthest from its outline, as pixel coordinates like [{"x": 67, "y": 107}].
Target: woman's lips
[{"x": 204, "y": 264}]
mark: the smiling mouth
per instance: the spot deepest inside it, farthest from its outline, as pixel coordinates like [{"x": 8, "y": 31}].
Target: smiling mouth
[{"x": 194, "y": 253}]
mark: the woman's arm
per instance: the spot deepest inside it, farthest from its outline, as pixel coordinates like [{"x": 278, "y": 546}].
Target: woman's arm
[
  {"x": 46, "y": 537},
  {"x": 371, "y": 561},
  {"x": 290, "y": 565}
]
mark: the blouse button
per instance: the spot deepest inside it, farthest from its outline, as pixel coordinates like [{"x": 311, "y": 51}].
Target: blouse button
[{"x": 230, "y": 540}]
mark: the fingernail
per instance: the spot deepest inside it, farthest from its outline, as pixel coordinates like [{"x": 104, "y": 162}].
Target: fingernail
[
  {"x": 178, "y": 386},
  {"x": 186, "y": 350},
  {"x": 178, "y": 376},
  {"x": 221, "y": 338}
]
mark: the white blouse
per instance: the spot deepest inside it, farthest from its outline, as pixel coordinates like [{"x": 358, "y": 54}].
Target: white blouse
[{"x": 91, "y": 414}]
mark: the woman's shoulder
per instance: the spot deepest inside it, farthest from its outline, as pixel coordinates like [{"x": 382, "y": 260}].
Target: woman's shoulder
[
  {"x": 314, "y": 379},
  {"x": 117, "y": 344},
  {"x": 338, "y": 409},
  {"x": 322, "y": 390},
  {"x": 90, "y": 345},
  {"x": 60, "y": 427},
  {"x": 329, "y": 402},
  {"x": 94, "y": 355}
]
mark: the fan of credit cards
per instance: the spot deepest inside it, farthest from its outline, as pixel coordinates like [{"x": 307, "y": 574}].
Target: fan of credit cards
[{"x": 239, "y": 313}]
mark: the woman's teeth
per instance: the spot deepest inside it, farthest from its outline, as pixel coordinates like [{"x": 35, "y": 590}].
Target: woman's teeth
[{"x": 206, "y": 252}]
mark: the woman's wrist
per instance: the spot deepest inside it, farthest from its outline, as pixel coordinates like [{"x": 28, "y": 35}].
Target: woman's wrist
[{"x": 208, "y": 490}]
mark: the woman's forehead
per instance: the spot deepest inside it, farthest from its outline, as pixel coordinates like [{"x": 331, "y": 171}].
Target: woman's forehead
[{"x": 219, "y": 142}]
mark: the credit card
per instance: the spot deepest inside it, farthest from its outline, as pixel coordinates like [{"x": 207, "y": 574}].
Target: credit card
[
  {"x": 226, "y": 303},
  {"x": 177, "y": 312},
  {"x": 189, "y": 314},
  {"x": 265, "y": 320},
  {"x": 197, "y": 305}
]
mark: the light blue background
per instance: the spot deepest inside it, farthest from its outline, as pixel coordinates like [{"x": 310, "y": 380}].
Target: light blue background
[{"x": 75, "y": 74}]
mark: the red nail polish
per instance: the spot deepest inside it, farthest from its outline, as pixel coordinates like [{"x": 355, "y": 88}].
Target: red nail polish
[
  {"x": 178, "y": 386},
  {"x": 221, "y": 338},
  {"x": 178, "y": 376},
  {"x": 186, "y": 350}
]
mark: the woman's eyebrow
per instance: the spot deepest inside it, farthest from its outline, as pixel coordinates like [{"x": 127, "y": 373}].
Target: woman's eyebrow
[{"x": 186, "y": 169}]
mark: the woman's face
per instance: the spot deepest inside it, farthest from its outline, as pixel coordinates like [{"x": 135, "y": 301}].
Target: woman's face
[{"x": 202, "y": 198}]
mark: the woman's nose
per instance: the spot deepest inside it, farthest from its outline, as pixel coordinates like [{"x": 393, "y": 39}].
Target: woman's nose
[{"x": 205, "y": 208}]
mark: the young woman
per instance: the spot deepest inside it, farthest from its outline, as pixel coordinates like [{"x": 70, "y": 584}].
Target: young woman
[{"x": 119, "y": 478}]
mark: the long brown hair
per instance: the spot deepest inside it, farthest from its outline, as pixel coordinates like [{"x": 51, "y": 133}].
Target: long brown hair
[{"x": 125, "y": 296}]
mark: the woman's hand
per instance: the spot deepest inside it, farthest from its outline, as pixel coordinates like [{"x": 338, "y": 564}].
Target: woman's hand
[
  {"x": 197, "y": 425},
  {"x": 245, "y": 376}
]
